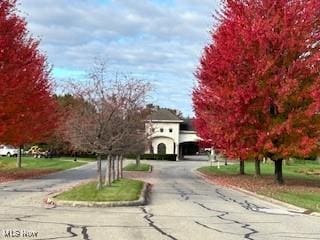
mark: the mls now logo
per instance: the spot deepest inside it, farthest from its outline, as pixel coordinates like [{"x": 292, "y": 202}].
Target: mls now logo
[{"x": 14, "y": 233}]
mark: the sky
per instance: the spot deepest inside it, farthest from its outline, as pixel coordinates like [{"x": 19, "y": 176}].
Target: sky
[{"x": 159, "y": 41}]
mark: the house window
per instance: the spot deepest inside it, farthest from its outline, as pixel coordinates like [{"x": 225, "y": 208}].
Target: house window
[
  {"x": 161, "y": 129},
  {"x": 170, "y": 130}
]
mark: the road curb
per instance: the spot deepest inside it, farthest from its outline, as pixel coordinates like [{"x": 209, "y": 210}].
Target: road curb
[
  {"x": 143, "y": 200},
  {"x": 261, "y": 197}
]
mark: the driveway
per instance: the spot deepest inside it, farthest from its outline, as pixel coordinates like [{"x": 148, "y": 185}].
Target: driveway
[{"x": 182, "y": 206}]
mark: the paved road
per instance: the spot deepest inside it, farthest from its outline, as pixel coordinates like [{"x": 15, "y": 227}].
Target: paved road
[{"x": 182, "y": 207}]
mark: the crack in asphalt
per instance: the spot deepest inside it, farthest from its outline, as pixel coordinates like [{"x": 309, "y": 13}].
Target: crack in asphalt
[
  {"x": 69, "y": 228},
  {"x": 152, "y": 224},
  {"x": 84, "y": 229},
  {"x": 246, "y": 205},
  {"x": 217, "y": 230},
  {"x": 185, "y": 194},
  {"x": 84, "y": 233},
  {"x": 250, "y": 206},
  {"x": 76, "y": 226},
  {"x": 181, "y": 193},
  {"x": 221, "y": 215}
]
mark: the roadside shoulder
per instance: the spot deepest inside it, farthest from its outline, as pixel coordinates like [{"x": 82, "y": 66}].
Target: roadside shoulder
[{"x": 292, "y": 208}]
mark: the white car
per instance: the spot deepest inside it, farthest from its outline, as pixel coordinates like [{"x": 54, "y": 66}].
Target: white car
[{"x": 8, "y": 151}]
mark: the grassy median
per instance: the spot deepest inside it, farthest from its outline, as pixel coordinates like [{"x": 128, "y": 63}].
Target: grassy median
[
  {"x": 301, "y": 188},
  {"x": 143, "y": 167},
  {"x": 122, "y": 190}
]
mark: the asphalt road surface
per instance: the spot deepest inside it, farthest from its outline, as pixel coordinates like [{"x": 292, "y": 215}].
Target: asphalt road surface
[{"x": 182, "y": 206}]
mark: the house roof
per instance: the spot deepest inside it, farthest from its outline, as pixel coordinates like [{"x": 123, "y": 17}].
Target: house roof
[
  {"x": 187, "y": 125},
  {"x": 163, "y": 115}
]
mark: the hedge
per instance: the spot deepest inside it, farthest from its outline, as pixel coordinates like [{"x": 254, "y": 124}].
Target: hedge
[{"x": 167, "y": 157}]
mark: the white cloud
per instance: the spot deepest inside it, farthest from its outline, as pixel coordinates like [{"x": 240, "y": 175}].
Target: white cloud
[{"x": 161, "y": 42}]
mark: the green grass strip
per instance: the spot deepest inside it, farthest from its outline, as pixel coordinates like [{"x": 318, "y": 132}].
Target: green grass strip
[
  {"x": 57, "y": 164},
  {"x": 122, "y": 190},
  {"x": 141, "y": 167}
]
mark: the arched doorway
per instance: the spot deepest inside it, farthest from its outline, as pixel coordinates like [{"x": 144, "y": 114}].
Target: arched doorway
[{"x": 162, "y": 149}]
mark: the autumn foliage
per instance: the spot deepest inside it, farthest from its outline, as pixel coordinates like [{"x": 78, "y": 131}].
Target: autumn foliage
[
  {"x": 258, "y": 87},
  {"x": 26, "y": 104}
]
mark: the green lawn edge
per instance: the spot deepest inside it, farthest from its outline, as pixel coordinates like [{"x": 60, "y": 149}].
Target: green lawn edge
[
  {"x": 143, "y": 167},
  {"x": 120, "y": 190},
  {"x": 29, "y": 163}
]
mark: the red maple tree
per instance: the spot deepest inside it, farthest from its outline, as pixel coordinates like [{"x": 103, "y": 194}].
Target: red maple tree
[
  {"x": 26, "y": 104},
  {"x": 258, "y": 91}
]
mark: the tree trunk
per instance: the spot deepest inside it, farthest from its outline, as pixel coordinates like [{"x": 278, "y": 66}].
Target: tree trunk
[
  {"x": 225, "y": 161},
  {"x": 107, "y": 179},
  {"x": 121, "y": 166},
  {"x": 109, "y": 170},
  {"x": 117, "y": 168},
  {"x": 19, "y": 157},
  {"x": 242, "y": 167},
  {"x": 278, "y": 171},
  {"x": 113, "y": 168},
  {"x": 257, "y": 167},
  {"x": 99, "y": 177},
  {"x": 138, "y": 160}
]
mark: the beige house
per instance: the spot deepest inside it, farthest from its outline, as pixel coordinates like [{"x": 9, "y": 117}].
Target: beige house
[{"x": 171, "y": 135}]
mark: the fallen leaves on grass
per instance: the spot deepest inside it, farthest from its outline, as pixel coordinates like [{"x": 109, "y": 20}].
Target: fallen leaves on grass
[{"x": 265, "y": 183}]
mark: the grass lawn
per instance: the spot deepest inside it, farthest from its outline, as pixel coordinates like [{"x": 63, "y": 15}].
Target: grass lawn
[
  {"x": 301, "y": 188},
  {"x": 143, "y": 167},
  {"x": 32, "y": 167},
  {"x": 122, "y": 190}
]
